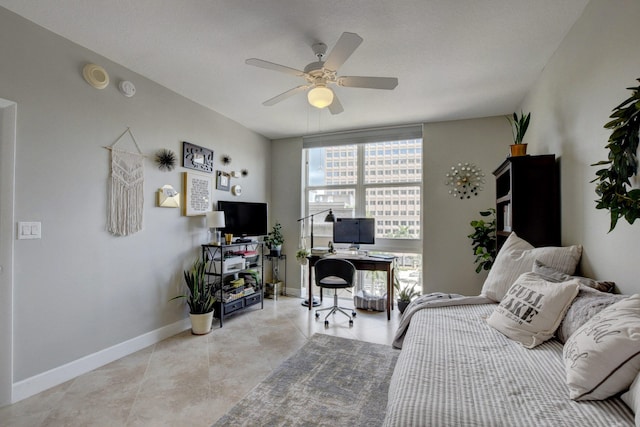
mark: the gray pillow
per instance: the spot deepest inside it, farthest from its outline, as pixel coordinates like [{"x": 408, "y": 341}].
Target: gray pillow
[
  {"x": 553, "y": 275},
  {"x": 587, "y": 304}
]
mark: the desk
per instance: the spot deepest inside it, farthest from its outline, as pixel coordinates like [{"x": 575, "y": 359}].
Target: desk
[{"x": 361, "y": 263}]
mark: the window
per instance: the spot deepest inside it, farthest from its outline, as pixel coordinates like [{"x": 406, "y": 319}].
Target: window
[{"x": 376, "y": 175}]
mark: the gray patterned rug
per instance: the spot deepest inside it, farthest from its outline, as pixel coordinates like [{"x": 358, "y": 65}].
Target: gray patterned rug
[{"x": 330, "y": 381}]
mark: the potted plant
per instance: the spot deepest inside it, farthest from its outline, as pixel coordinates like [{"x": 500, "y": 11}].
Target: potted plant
[
  {"x": 275, "y": 239},
  {"x": 404, "y": 294},
  {"x": 302, "y": 255},
  {"x": 483, "y": 240},
  {"x": 200, "y": 298},
  {"x": 519, "y": 126}
]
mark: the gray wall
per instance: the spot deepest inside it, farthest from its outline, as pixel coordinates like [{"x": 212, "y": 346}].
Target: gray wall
[
  {"x": 447, "y": 255},
  {"x": 570, "y": 103},
  {"x": 79, "y": 289}
]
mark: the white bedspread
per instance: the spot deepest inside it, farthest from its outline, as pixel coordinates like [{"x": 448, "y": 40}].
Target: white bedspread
[
  {"x": 455, "y": 370},
  {"x": 435, "y": 299}
]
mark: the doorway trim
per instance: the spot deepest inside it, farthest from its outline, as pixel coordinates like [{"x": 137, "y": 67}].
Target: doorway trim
[{"x": 8, "y": 112}]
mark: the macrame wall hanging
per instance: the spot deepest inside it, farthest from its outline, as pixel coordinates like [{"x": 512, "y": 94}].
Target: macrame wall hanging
[{"x": 126, "y": 198}]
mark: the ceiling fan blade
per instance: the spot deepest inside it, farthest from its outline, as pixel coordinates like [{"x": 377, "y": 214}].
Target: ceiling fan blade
[
  {"x": 387, "y": 83},
  {"x": 346, "y": 45},
  {"x": 275, "y": 67},
  {"x": 285, "y": 95},
  {"x": 335, "y": 107}
]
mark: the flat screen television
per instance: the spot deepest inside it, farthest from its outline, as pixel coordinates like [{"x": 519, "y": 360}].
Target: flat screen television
[
  {"x": 355, "y": 231},
  {"x": 244, "y": 219}
]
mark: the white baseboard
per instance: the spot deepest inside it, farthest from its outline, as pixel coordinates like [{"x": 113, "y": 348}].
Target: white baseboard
[{"x": 37, "y": 383}]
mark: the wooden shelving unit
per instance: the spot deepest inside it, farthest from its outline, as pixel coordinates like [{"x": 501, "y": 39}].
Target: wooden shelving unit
[{"x": 528, "y": 200}]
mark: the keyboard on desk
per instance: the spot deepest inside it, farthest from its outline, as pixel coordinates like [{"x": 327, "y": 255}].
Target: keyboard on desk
[{"x": 382, "y": 256}]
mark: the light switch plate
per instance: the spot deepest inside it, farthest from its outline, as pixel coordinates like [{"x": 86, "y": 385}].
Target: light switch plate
[{"x": 29, "y": 230}]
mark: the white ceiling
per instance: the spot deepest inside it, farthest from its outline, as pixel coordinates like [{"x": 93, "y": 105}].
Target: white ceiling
[{"x": 454, "y": 59}]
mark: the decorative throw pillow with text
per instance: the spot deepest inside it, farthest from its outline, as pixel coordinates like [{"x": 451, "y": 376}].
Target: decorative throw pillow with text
[
  {"x": 602, "y": 357},
  {"x": 532, "y": 309}
]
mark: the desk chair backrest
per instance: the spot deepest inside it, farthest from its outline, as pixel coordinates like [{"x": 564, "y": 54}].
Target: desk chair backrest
[{"x": 334, "y": 273}]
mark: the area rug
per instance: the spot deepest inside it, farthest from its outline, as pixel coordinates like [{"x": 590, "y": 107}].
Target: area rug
[{"x": 330, "y": 381}]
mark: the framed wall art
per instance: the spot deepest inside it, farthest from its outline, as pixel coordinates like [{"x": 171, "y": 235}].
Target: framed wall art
[
  {"x": 223, "y": 181},
  {"x": 198, "y": 194},
  {"x": 196, "y": 157}
]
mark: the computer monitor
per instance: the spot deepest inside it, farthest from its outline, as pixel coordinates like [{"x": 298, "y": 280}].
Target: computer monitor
[{"x": 355, "y": 231}]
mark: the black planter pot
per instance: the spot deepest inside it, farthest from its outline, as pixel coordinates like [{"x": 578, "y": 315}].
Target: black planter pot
[{"x": 402, "y": 305}]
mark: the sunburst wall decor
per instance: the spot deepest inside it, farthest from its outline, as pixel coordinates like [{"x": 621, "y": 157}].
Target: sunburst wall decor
[{"x": 465, "y": 180}]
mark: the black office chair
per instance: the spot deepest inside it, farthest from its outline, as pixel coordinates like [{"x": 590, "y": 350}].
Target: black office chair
[{"x": 335, "y": 273}]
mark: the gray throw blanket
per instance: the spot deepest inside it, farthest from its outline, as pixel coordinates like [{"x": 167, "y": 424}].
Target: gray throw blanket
[{"x": 436, "y": 299}]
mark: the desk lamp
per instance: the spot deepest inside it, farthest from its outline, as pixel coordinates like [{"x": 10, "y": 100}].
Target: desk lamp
[
  {"x": 215, "y": 221},
  {"x": 329, "y": 218}
]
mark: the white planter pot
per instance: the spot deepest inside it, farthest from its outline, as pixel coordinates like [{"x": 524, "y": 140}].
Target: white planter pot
[{"x": 201, "y": 323}]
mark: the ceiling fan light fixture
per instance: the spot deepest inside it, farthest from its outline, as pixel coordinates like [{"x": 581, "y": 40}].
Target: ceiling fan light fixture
[{"x": 320, "y": 96}]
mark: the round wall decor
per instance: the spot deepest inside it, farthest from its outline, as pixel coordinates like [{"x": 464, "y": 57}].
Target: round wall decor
[
  {"x": 465, "y": 180},
  {"x": 96, "y": 76},
  {"x": 236, "y": 190}
]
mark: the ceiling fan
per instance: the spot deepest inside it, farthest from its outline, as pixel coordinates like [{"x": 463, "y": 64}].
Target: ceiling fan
[{"x": 320, "y": 74}]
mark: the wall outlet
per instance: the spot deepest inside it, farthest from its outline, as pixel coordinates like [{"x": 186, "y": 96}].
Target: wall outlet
[{"x": 29, "y": 230}]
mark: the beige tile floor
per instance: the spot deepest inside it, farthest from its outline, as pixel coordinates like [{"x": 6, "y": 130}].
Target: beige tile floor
[{"x": 189, "y": 380}]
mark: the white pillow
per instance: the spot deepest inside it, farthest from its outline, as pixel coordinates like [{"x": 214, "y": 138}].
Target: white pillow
[
  {"x": 632, "y": 398},
  {"x": 532, "y": 309},
  {"x": 602, "y": 357},
  {"x": 517, "y": 256}
]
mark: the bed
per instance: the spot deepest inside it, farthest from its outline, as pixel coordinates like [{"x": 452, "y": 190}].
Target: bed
[
  {"x": 455, "y": 370},
  {"x": 537, "y": 347}
]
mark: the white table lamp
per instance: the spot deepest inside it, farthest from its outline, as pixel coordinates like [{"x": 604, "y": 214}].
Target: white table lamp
[{"x": 215, "y": 221}]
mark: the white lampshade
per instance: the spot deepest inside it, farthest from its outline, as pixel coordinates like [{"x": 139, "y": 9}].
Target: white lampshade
[
  {"x": 320, "y": 96},
  {"x": 215, "y": 219}
]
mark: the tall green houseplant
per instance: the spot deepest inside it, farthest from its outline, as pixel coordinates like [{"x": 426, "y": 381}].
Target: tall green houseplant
[
  {"x": 483, "y": 240},
  {"x": 200, "y": 298}
]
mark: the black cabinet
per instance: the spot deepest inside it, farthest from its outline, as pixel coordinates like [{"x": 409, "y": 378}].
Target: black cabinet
[
  {"x": 237, "y": 272},
  {"x": 528, "y": 200}
]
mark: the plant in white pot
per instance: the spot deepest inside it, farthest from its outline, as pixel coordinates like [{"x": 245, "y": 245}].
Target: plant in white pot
[
  {"x": 302, "y": 255},
  {"x": 200, "y": 298}
]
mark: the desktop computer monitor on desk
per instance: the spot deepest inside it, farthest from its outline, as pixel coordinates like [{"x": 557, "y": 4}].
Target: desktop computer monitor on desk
[{"x": 354, "y": 231}]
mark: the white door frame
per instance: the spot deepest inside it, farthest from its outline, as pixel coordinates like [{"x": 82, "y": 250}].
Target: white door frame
[{"x": 8, "y": 110}]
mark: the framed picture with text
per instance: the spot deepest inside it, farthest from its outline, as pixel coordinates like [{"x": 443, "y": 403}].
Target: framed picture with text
[
  {"x": 196, "y": 157},
  {"x": 198, "y": 194}
]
